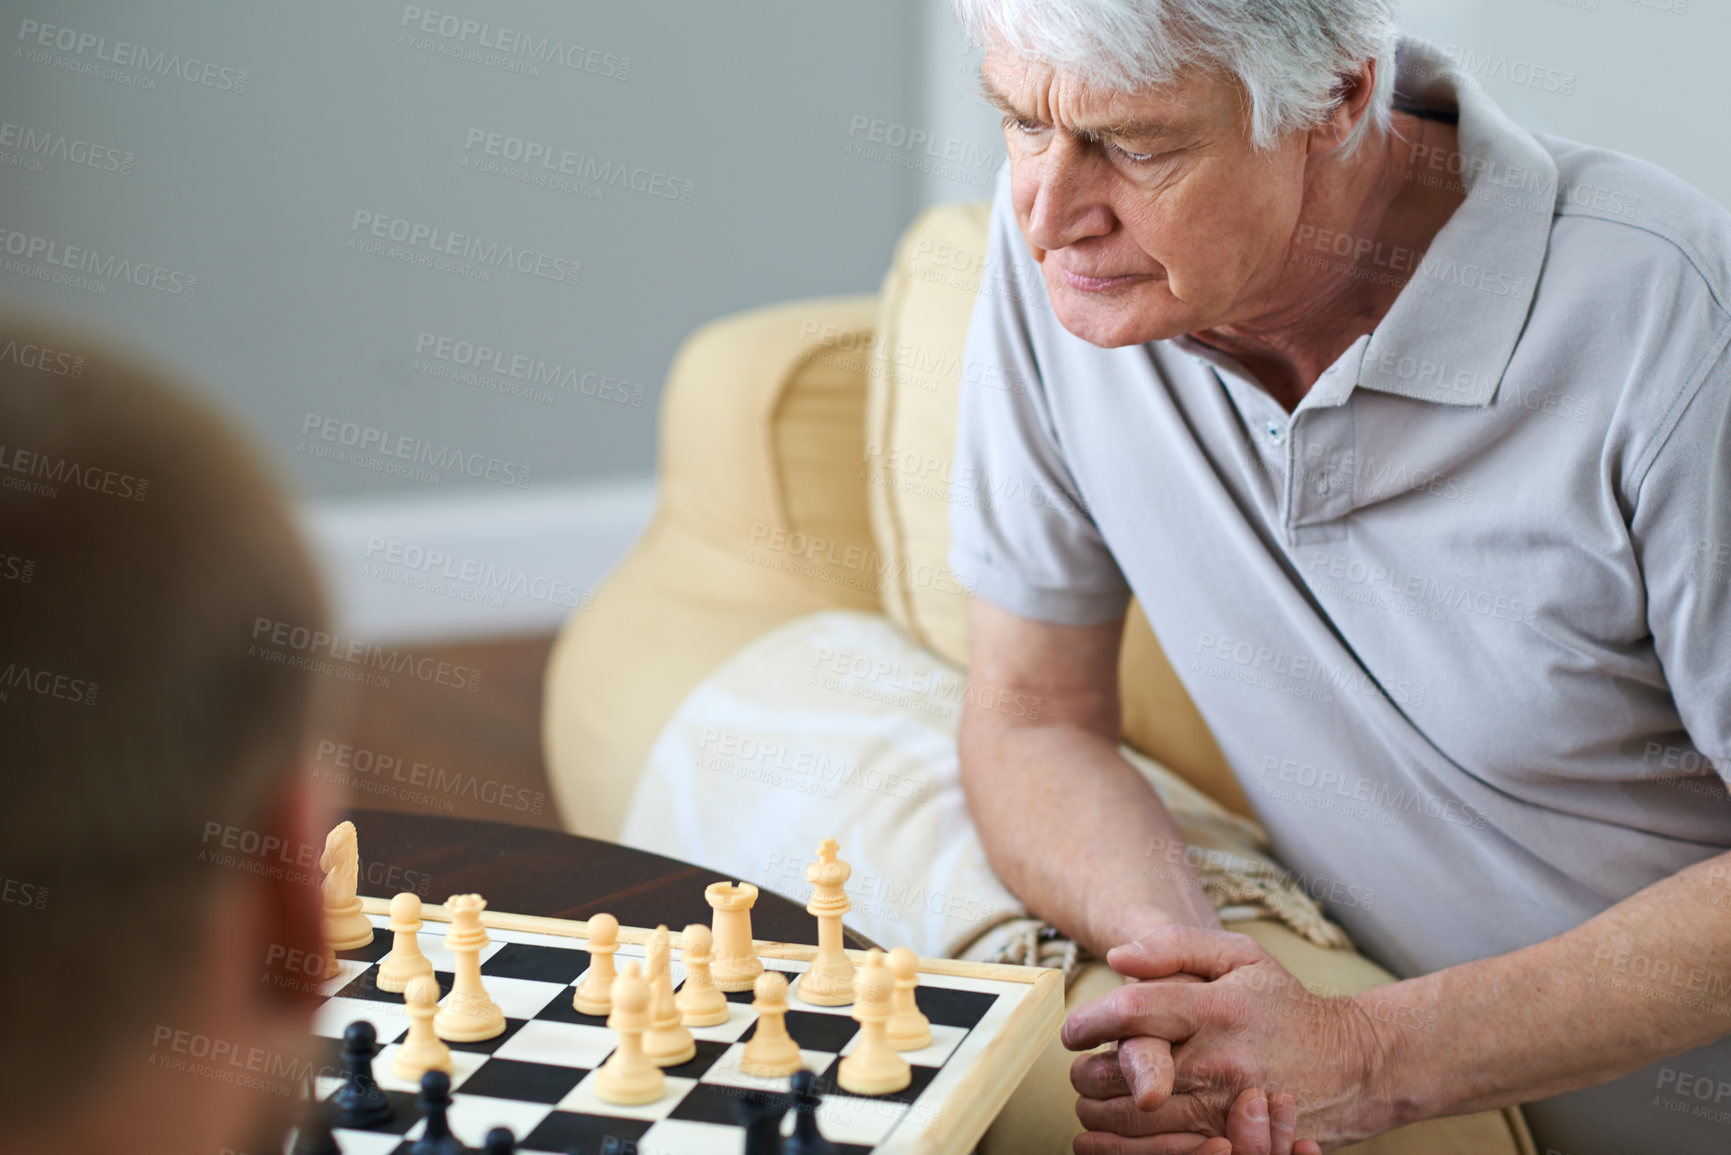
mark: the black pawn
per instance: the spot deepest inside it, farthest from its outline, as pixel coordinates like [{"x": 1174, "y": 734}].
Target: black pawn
[
  {"x": 313, "y": 1136},
  {"x": 762, "y": 1115},
  {"x": 435, "y": 1101},
  {"x": 806, "y": 1138},
  {"x": 500, "y": 1141},
  {"x": 614, "y": 1145},
  {"x": 359, "y": 1103}
]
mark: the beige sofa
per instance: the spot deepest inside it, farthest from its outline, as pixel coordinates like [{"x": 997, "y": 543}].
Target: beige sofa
[{"x": 805, "y": 455}]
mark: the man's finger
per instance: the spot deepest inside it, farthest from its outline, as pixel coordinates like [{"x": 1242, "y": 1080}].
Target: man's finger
[
  {"x": 1163, "y": 1010},
  {"x": 1247, "y": 1124},
  {"x": 1174, "y": 949},
  {"x": 1098, "y": 1075},
  {"x": 1183, "y": 1114},
  {"x": 1120, "y": 1116},
  {"x": 1147, "y": 1066},
  {"x": 1282, "y": 1122},
  {"x": 1106, "y": 1143}
]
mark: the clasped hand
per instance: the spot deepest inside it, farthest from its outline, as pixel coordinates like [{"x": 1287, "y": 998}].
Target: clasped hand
[{"x": 1220, "y": 1051}]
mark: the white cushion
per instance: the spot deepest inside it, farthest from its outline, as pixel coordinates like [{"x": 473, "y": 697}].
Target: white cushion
[{"x": 837, "y": 725}]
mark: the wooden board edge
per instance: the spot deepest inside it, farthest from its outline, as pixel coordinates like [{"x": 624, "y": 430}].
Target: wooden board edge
[
  {"x": 976, "y": 1101},
  {"x": 792, "y": 951}
]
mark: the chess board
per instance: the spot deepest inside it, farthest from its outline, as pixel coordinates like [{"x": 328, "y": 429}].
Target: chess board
[{"x": 537, "y": 1078}]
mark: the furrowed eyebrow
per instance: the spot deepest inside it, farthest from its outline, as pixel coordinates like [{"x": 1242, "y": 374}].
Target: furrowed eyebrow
[
  {"x": 1134, "y": 129},
  {"x": 995, "y": 98}
]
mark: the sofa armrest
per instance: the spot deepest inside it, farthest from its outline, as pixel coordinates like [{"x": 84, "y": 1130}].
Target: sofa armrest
[{"x": 760, "y": 518}]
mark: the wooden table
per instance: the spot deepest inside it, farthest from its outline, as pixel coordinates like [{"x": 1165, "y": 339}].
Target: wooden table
[{"x": 524, "y": 870}]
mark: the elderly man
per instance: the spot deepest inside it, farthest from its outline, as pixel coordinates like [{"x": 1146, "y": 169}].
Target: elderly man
[{"x": 1411, "y": 432}]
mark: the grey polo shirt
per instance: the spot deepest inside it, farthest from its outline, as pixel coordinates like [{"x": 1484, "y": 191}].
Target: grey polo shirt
[{"x": 1460, "y": 621}]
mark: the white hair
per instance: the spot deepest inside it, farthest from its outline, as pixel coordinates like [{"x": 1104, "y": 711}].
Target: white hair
[{"x": 1291, "y": 56}]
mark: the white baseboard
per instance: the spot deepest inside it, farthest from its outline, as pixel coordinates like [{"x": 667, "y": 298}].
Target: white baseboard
[{"x": 472, "y": 565}]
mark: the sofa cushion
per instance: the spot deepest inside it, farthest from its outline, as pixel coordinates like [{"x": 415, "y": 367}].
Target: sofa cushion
[
  {"x": 837, "y": 724},
  {"x": 917, "y": 374},
  {"x": 923, "y": 311},
  {"x": 760, "y": 518}
]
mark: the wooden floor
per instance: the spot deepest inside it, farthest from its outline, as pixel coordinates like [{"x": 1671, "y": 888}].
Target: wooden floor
[{"x": 420, "y": 745}]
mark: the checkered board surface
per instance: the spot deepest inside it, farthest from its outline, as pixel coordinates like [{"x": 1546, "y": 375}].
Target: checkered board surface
[{"x": 538, "y": 1077}]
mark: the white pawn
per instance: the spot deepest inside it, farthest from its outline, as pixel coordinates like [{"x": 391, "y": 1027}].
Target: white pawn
[
  {"x": 771, "y": 1053},
  {"x": 405, "y": 961},
  {"x": 628, "y": 1078},
  {"x": 423, "y": 1050},
  {"x": 908, "y": 1029},
  {"x": 469, "y": 1014},
  {"x": 700, "y": 1003},
  {"x": 667, "y": 1043},
  {"x": 594, "y": 995},
  {"x": 873, "y": 1067}
]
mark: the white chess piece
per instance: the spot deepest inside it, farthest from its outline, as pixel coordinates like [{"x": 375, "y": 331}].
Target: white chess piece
[
  {"x": 469, "y": 1014},
  {"x": 908, "y": 1029},
  {"x": 667, "y": 1043},
  {"x": 628, "y": 1078},
  {"x": 736, "y": 965},
  {"x": 829, "y": 982},
  {"x": 346, "y": 927},
  {"x": 700, "y": 1003},
  {"x": 594, "y": 995},
  {"x": 771, "y": 1052},
  {"x": 873, "y": 1067},
  {"x": 405, "y": 961},
  {"x": 423, "y": 1050}
]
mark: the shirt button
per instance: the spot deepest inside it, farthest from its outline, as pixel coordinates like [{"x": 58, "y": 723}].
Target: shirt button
[{"x": 1276, "y": 431}]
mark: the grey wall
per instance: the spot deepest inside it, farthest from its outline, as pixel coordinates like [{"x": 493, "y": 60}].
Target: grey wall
[
  {"x": 796, "y": 136},
  {"x": 1645, "y": 77},
  {"x": 744, "y": 113}
]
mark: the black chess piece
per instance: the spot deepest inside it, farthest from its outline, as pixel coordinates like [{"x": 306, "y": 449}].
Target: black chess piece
[
  {"x": 436, "y": 1139},
  {"x": 762, "y": 1113},
  {"x": 360, "y": 1103},
  {"x": 313, "y": 1136},
  {"x": 806, "y": 1138},
  {"x": 499, "y": 1141},
  {"x": 613, "y": 1145}
]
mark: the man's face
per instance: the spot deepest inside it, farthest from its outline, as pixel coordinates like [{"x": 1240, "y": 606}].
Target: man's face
[{"x": 1165, "y": 221}]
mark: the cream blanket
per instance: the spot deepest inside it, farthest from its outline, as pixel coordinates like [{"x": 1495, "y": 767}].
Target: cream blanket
[{"x": 838, "y": 725}]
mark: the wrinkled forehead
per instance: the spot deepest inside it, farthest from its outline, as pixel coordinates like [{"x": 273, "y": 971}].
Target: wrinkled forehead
[{"x": 1022, "y": 86}]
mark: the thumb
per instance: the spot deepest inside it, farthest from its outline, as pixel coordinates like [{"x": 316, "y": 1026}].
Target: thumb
[{"x": 1173, "y": 949}]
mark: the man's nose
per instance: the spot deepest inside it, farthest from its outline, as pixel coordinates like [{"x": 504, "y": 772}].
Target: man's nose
[{"x": 1064, "y": 202}]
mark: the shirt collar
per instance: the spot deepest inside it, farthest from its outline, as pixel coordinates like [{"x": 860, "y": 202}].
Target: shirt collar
[{"x": 1452, "y": 330}]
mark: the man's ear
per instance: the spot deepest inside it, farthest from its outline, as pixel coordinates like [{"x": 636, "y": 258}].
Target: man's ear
[
  {"x": 291, "y": 894},
  {"x": 1352, "y": 98}
]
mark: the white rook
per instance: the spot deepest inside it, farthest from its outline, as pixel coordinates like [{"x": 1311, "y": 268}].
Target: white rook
[{"x": 736, "y": 964}]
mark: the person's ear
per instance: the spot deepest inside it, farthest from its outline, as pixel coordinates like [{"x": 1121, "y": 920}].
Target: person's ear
[
  {"x": 1352, "y": 97},
  {"x": 291, "y": 890}
]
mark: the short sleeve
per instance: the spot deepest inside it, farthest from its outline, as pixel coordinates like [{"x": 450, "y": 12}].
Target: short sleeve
[
  {"x": 1021, "y": 536},
  {"x": 1682, "y": 530}
]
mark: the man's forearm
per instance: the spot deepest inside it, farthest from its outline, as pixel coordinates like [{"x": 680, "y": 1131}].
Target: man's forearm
[
  {"x": 1068, "y": 824},
  {"x": 1648, "y": 978}
]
